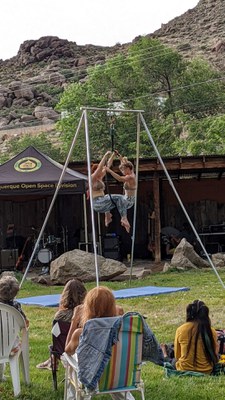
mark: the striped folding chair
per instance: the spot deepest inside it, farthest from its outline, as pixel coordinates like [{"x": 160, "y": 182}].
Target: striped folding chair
[{"x": 122, "y": 374}]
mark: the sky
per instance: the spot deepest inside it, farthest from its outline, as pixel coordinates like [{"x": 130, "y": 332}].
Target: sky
[{"x": 97, "y": 22}]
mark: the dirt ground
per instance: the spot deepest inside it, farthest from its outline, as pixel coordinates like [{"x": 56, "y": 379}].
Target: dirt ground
[{"x": 141, "y": 268}]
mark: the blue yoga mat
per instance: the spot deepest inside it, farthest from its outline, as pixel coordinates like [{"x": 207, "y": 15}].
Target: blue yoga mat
[{"x": 52, "y": 300}]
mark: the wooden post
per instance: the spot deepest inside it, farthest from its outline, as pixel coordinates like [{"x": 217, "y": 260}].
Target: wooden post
[{"x": 157, "y": 217}]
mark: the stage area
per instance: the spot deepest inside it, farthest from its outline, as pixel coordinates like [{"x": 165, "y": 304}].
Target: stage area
[{"x": 52, "y": 300}]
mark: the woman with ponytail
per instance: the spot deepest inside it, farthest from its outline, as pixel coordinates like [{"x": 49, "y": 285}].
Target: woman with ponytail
[{"x": 195, "y": 343}]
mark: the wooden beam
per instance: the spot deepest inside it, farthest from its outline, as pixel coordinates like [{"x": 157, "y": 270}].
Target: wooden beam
[{"x": 157, "y": 218}]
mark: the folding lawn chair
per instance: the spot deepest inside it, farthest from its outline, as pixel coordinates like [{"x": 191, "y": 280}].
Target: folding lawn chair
[
  {"x": 13, "y": 329},
  {"x": 60, "y": 330},
  {"x": 122, "y": 369}
]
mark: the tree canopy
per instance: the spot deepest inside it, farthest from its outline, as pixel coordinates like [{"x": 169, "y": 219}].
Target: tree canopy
[
  {"x": 40, "y": 142},
  {"x": 183, "y": 103}
]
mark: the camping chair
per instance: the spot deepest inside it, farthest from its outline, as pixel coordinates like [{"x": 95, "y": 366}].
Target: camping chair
[
  {"x": 122, "y": 373},
  {"x": 60, "y": 330},
  {"x": 12, "y": 327}
]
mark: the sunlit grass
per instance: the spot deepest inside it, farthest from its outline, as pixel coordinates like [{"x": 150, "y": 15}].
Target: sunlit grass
[{"x": 164, "y": 314}]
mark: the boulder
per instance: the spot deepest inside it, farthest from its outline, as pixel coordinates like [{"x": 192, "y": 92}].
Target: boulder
[
  {"x": 218, "y": 260},
  {"x": 3, "y": 101},
  {"x": 185, "y": 257},
  {"x": 4, "y": 121},
  {"x": 40, "y": 112},
  {"x": 56, "y": 78},
  {"x": 81, "y": 264},
  {"x": 26, "y": 118},
  {"x": 24, "y": 92},
  {"x": 7, "y": 273}
]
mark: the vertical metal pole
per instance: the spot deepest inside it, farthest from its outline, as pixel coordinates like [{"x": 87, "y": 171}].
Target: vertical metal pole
[
  {"x": 85, "y": 221},
  {"x": 157, "y": 220},
  {"x": 53, "y": 200},
  {"x": 99, "y": 234},
  {"x": 179, "y": 199},
  {"x": 91, "y": 198},
  {"x": 135, "y": 204}
]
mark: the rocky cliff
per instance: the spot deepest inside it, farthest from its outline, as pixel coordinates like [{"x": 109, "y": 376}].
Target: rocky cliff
[
  {"x": 32, "y": 81},
  {"x": 198, "y": 32}
]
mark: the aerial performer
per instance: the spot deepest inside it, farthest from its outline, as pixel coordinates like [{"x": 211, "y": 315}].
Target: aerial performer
[
  {"x": 129, "y": 186},
  {"x": 102, "y": 202}
]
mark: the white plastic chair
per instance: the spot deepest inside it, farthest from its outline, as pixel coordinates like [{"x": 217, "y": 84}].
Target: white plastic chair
[{"x": 12, "y": 326}]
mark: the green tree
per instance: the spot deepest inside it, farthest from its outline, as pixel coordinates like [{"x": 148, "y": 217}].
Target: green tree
[
  {"x": 175, "y": 95},
  {"x": 40, "y": 142},
  {"x": 159, "y": 68},
  {"x": 201, "y": 90},
  {"x": 107, "y": 86},
  {"x": 202, "y": 137}
]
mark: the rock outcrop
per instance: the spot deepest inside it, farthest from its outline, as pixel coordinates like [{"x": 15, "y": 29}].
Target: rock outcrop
[
  {"x": 40, "y": 71},
  {"x": 199, "y": 32},
  {"x": 185, "y": 257},
  {"x": 80, "y": 264}
]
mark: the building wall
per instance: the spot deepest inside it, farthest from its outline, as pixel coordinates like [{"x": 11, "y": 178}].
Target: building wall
[
  {"x": 204, "y": 201},
  {"x": 28, "y": 215}
]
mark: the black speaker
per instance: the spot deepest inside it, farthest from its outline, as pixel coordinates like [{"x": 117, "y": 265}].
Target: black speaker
[
  {"x": 114, "y": 255},
  {"x": 213, "y": 248},
  {"x": 9, "y": 259},
  {"x": 111, "y": 243},
  {"x": 88, "y": 246},
  {"x": 111, "y": 247}
]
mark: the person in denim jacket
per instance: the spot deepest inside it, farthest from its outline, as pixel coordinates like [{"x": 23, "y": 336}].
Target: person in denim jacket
[{"x": 100, "y": 303}]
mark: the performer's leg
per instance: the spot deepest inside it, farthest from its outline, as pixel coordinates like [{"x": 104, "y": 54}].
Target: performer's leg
[
  {"x": 125, "y": 223},
  {"x": 103, "y": 205},
  {"x": 122, "y": 205},
  {"x": 108, "y": 218}
]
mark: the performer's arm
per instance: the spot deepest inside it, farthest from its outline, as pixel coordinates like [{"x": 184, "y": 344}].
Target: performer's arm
[
  {"x": 110, "y": 160},
  {"x": 122, "y": 159},
  {"x": 102, "y": 163},
  {"x": 118, "y": 177}
]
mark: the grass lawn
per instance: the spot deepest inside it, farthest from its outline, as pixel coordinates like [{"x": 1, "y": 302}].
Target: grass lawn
[{"x": 164, "y": 314}]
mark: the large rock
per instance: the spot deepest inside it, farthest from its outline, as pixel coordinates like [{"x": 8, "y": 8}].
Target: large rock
[
  {"x": 185, "y": 257},
  {"x": 41, "y": 112},
  {"x": 218, "y": 260},
  {"x": 80, "y": 264}
]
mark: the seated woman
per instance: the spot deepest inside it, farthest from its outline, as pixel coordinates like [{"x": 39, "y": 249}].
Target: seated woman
[
  {"x": 9, "y": 288},
  {"x": 72, "y": 296},
  {"x": 99, "y": 303},
  {"x": 195, "y": 346}
]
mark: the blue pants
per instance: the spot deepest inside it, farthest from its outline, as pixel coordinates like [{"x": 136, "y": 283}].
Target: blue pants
[{"x": 106, "y": 203}]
